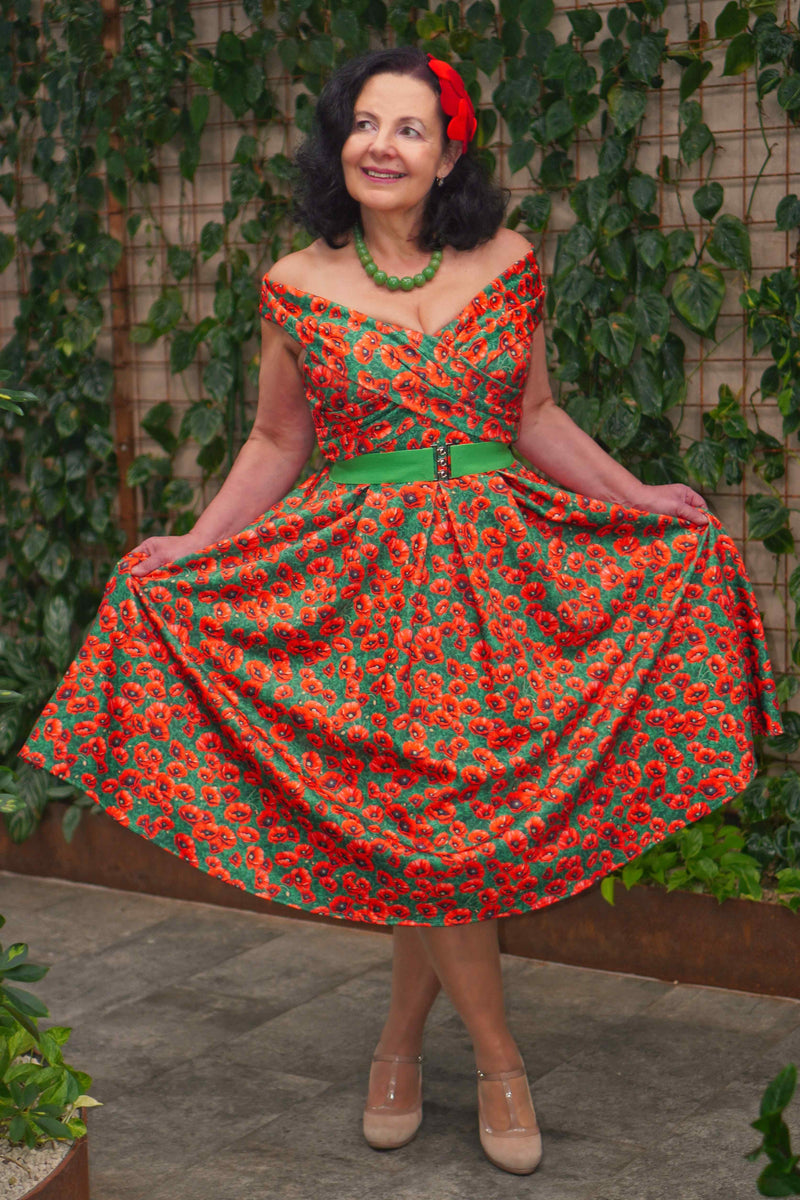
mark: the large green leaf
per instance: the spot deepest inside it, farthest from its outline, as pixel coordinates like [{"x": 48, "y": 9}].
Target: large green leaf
[
  {"x": 694, "y": 74},
  {"x": 732, "y": 20},
  {"x": 218, "y": 379},
  {"x": 766, "y": 515},
  {"x": 57, "y": 623},
  {"x": 787, "y": 214},
  {"x": 788, "y": 93},
  {"x": 615, "y": 338},
  {"x": 705, "y": 460},
  {"x": 740, "y": 55},
  {"x": 729, "y": 243},
  {"x": 708, "y": 199},
  {"x": 650, "y": 313},
  {"x": 627, "y": 105},
  {"x": 697, "y": 296},
  {"x": 694, "y": 142},
  {"x": 619, "y": 421},
  {"x": 536, "y": 15}
]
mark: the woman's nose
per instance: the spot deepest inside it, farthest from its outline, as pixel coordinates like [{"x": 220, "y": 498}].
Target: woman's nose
[{"x": 382, "y": 142}]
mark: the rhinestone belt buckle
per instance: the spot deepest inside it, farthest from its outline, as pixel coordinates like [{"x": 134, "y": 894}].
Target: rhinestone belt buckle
[{"x": 441, "y": 460}]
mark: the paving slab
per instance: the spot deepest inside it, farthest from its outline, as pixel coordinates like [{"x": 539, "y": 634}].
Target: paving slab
[{"x": 231, "y": 1050}]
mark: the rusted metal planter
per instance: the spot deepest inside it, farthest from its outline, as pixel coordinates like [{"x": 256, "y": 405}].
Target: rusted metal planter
[
  {"x": 680, "y": 936},
  {"x": 70, "y": 1179}
]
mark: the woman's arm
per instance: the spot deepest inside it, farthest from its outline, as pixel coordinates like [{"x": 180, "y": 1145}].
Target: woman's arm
[
  {"x": 551, "y": 440},
  {"x": 267, "y": 465}
]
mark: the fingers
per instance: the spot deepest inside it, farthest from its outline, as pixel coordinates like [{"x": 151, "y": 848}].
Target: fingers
[
  {"x": 152, "y": 560},
  {"x": 695, "y": 515}
]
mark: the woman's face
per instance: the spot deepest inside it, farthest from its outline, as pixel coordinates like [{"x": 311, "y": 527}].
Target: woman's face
[{"x": 396, "y": 147}]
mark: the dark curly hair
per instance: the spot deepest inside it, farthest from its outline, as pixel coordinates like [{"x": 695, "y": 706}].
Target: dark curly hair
[{"x": 465, "y": 211}]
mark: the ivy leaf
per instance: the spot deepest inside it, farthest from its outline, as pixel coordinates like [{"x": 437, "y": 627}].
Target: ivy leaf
[
  {"x": 178, "y": 493},
  {"x": 767, "y": 82},
  {"x": 586, "y": 23},
  {"x": 680, "y": 244},
  {"x": 536, "y": 15},
  {"x": 182, "y": 351},
  {"x": 619, "y": 422},
  {"x": 202, "y": 422},
  {"x": 613, "y": 153},
  {"x": 650, "y": 313},
  {"x": 651, "y": 246},
  {"x": 740, "y": 55},
  {"x": 179, "y": 262},
  {"x": 642, "y": 192},
  {"x": 7, "y": 250},
  {"x": 766, "y": 516},
  {"x": 218, "y": 378},
  {"x": 705, "y": 460},
  {"x": 165, "y": 312},
  {"x": 708, "y": 199},
  {"x": 55, "y": 562},
  {"x": 644, "y": 57},
  {"x": 694, "y": 142},
  {"x": 488, "y": 53},
  {"x": 615, "y": 338},
  {"x": 731, "y": 20},
  {"x": 645, "y": 386},
  {"x": 611, "y": 52},
  {"x": 584, "y": 106},
  {"x": 616, "y": 257},
  {"x": 729, "y": 243},
  {"x": 627, "y": 106},
  {"x": 584, "y": 411},
  {"x": 198, "y": 111},
  {"x": 96, "y": 379},
  {"x": 211, "y": 237},
  {"x": 520, "y": 154},
  {"x": 536, "y": 211},
  {"x": 697, "y": 296},
  {"x": 56, "y": 628},
  {"x": 558, "y": 121},
  {"x": 617, "y": 19},
  {"x": 788, "y": 94},
  {"x": 787, "y": 214}
]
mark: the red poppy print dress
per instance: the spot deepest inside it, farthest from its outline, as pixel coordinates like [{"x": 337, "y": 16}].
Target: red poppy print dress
[{"x": 424, "y": 703}]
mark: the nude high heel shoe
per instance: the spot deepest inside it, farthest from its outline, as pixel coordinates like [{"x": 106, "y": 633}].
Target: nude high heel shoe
[
  {"x": 387, "y": 1127},
  {"x": 516, "y": 1147}
]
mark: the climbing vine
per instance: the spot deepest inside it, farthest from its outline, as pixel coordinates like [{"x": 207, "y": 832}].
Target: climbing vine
[{"x": 90, "y": 103}]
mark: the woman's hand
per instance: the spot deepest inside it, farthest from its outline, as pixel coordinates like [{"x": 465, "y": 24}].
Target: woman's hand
[
  {"x": 162, "y": 550},
  {"x": 674, "y": 499}
]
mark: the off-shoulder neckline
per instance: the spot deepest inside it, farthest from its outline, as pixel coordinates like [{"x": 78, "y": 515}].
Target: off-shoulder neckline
[{"x": 514, "y": 268}]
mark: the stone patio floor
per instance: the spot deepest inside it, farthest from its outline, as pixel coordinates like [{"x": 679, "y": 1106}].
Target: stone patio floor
[{"x": 230, "y": 1051}]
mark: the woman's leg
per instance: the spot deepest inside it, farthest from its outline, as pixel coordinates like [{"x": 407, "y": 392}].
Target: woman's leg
[
  {"x": 466, "y": 959},
  {"x": 415, "y": 986}
]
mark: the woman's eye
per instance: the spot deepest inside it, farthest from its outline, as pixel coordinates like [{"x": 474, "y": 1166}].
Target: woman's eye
[{"x": 410, "y": 129}]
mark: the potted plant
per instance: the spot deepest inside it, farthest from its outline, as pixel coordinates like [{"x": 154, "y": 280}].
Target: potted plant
[{"x": 43, "y": 1148}]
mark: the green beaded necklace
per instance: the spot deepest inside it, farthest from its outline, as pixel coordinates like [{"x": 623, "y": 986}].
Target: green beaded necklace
[{"x": 407, "y": 282}]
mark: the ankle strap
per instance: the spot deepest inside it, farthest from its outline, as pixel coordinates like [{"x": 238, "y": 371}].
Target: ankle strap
[
  {"x": 403, "y": 1058},
  {"x": 515, "y": 1074}
]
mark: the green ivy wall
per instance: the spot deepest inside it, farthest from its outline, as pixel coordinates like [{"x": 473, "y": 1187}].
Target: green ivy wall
[{"x": 653, "y": 156}]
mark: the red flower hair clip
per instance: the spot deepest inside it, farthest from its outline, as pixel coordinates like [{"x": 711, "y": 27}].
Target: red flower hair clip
[{"x": 455, "y": 102}]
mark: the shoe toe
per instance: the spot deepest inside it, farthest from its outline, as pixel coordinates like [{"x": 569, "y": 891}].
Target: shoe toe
[{"x": 389, "y": 1132}]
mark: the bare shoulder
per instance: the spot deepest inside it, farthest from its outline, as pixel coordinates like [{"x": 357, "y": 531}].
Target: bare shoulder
[
  {"x": 494, "y": 257},
  {"x": 301, "y": 268}
]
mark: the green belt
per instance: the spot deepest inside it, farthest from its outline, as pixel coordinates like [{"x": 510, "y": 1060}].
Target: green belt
[{"x": 441, "y": 461}]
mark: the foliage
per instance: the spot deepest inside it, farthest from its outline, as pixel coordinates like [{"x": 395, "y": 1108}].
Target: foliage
[
  {"x": 92, "y": 129},
  {"x": 781, "y": 1176},
  {"x": 40, "y": 1094}
]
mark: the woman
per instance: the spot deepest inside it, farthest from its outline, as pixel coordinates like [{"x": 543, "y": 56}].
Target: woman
[{"x": 426, "y": 687}]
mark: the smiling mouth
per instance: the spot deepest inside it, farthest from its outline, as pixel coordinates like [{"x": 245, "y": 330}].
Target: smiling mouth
[{"x": 383, "y": 175}]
